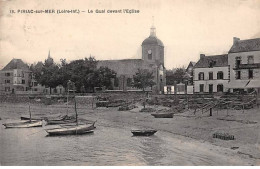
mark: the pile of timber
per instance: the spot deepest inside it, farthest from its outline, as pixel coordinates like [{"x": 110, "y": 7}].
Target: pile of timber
[{"x": 223, "y": 136}]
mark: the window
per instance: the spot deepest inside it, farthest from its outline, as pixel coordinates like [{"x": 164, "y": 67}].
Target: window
[
  {"x": 201, "y": 87},
  {"x": 201, "y": 76},
  {"x": 210, "y": 75},
  {"x": 150, "y": 57},
  {"x": 238, "y": 61},
  {"x": 210, "y": 88},
  {"x": 220, "y": 88},
  {"x": 250, "y": 59},
  {"x": 212, "y": 63},
  {"x": 23, "y": 81},
  {"x": 250, "y": 74},
  {"x": 7, "y": 81},
  {"x": 7, "y": 74},
  {"x": 238, "y": 74},
  {"x": 220, "y": 75}
]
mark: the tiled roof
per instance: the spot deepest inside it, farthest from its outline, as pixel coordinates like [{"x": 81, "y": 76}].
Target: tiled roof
[
  {"x": 125, "y": 66},
  {"x": 246, "y": 45},
  {"x": 152, "y": 40},
  {"x": 212, "y": 61},
  {"x": 16, "y": 64}
]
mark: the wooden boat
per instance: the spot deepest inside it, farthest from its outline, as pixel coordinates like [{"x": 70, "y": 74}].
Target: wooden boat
[
  {"x": 25, "y": 124},
  {"x": 28, "y": 118},
  {"x": 162, "y": 115},
  {"x": 143, "y": 132},
  {"x": 66, "y": 119},
  {"x": 72, "y": 129}
]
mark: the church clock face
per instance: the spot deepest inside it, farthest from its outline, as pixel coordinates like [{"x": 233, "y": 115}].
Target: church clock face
[{"x": 150, "y": 51}]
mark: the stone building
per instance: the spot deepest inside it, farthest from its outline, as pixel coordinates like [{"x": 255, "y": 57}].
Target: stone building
[
  {"x": 15, "y": 77},
  {"x": 152, "y": 59},
  {"x": 211, "y": 74},
  {"x": 244, "y": 62}
]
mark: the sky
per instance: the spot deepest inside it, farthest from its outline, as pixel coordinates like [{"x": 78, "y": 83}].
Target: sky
[{"x": 186, "y": 27}]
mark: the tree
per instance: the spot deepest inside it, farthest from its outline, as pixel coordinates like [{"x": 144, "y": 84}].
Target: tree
[
  {"x": 143, "y": 78},
  {"x": 101, "y": 77},
  {"x": 178, "y": 76},
  {"x": 47, "y": 74}
]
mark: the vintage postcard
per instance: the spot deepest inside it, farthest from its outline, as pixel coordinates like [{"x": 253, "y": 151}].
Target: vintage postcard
[{"x": 129, "y": 83}]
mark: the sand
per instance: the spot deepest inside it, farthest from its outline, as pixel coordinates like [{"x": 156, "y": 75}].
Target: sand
[{"x": 187, "y": 126}]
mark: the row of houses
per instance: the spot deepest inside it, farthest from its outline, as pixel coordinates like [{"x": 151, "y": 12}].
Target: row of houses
[{"x": 236, "y": 71}]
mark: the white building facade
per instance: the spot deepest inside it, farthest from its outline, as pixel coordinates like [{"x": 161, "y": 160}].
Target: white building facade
[{"x": 211, "y": 74}]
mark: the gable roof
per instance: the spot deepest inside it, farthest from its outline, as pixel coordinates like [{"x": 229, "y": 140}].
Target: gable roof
[
  {"x": 212, "y": 61},
  {"x": 16, "y": 64},
  {"x": 245, "y": 45}
]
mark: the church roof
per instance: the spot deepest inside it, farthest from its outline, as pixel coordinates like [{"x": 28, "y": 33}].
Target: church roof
[
  {"x": 152, "y": 40},
  {"x": 124, "y": 66},
  {"x": 212, "y": 61},
  {"x": 16, "y": 64},
  {"x": 246, "y": 45}
]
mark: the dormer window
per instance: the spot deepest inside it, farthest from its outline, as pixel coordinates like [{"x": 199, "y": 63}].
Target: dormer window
[{"x": 250, "y": 59}]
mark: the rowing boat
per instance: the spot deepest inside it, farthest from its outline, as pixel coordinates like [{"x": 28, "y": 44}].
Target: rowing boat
[
  {"x": 143, "y": 132},
  {"x": 162, "y": 115},
  {"x": 25, "y": 124},
  {"x": 72, "y": 129}
]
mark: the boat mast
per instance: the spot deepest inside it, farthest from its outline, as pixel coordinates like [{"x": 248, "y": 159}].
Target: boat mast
[{"x": 76, "y": 111}]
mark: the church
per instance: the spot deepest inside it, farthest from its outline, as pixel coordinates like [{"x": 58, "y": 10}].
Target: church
[{"x": 152, "y": 60}]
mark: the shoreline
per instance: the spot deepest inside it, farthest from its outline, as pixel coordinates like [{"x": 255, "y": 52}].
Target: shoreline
[{"x": 185, "y": 126}]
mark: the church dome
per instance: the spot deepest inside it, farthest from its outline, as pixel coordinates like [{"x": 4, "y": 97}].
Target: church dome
[{"x": 152, "y": 40}]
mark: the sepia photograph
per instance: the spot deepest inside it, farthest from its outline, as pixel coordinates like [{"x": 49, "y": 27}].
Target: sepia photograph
[{"x": 130, "y": 83}]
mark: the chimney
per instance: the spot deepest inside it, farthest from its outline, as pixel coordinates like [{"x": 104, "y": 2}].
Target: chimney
[
  {"x": 235, "y": 40},
  {"x": 202, "y": 56}
]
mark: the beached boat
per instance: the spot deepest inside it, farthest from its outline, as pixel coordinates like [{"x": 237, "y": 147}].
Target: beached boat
[
  {"x": 28, "y": 118},
  {"x": 143, "y": 132},
  {"x": 25, "y": 124},
  {"x": 162, "y": 115},
  {"x": 71, "y": 129},
  {"x": 63, "y": 120}
]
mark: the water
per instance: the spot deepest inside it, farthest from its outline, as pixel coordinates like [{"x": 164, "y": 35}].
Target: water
[{"x": 107, "y": 146}]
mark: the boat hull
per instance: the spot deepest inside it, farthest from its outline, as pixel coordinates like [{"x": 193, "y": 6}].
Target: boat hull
[
  {"x": 54, "y": 122},
  {"x": 143, "y": 132},
  {"x": 71, "y": 130},
  {"x": 163, "y": 115},
  {"x": 27, "y": 124}
]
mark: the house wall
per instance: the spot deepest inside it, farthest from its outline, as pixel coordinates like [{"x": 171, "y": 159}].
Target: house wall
[
  {"x": 244, "y": 72},
  {"x": 206, "y": 80}
]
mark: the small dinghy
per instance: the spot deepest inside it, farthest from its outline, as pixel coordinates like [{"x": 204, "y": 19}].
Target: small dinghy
[
  {"x": 162, "y": 115},
  {"x": 143, "y": 132},
  {"x": 72, "y": 129},
  {"x": 26, "y": 124}
]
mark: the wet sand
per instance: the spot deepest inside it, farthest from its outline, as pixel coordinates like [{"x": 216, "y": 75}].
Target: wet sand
[{"x": 193, "y": 133}]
